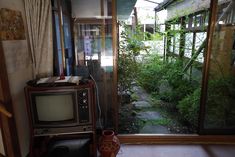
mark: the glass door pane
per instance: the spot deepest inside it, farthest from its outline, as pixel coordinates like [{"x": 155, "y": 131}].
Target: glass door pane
[
  {"x": 219, "y": 96},
  {"x": 94, "y": 56},
  {"x": 159, "y": 77},
  {"x": 68, "y": 45}
]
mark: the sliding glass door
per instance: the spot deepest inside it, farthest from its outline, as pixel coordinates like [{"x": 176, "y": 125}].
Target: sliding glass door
[
  {"x": 165, "y": 95},
  {"x": 94, "y": 39},
  {"x": 218, "y": 94}
]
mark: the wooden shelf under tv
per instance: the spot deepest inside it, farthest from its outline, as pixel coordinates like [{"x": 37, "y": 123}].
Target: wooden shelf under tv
[{"x": 39, "y": 142}]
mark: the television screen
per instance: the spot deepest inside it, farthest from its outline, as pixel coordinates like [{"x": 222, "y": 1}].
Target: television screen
[{"x": 54, "y": 107}]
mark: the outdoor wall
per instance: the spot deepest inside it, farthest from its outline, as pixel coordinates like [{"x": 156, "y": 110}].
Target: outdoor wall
[
  {"x": 19, "y": 72},
  {"x": 85, "y": 9},
  {"x": 124, "y": 9},
  {"x": 187, "y": 7}
]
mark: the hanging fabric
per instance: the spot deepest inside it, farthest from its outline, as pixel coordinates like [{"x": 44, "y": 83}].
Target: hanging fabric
[{"x": 39, "y": 24}]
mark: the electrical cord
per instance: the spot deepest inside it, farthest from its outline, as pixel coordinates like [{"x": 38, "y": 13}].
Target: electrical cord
[{"x": 98, "y": 102}]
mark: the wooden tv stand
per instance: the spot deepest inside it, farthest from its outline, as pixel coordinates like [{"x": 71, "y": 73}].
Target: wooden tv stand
[{"x": 41, "y": 137}]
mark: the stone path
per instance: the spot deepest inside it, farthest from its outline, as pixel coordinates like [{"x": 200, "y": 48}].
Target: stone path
[{"x": 142, "y": 104}]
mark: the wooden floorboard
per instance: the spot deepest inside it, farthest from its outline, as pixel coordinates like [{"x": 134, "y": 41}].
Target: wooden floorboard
[{"x": 177, "y": 151}]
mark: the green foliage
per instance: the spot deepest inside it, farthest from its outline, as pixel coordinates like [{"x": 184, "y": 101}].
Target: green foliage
[
  {"x": 155, "y": 70},
  {"x": 183, "y": 88},
  {"x": 151, "y": 73},
  {"x": 189, "y": 107},
  {"x": 127, "y": 71},
  {"x": 220, "y": 102},
  {"x": 156, "y": 36},
  {"x": 134, "y": 97},
  {"x": 180, "y": 85},
  {"x": 183, "y": 95},
  {"x": 130, "y": 47},
  {"x": 162, "y": 121}
]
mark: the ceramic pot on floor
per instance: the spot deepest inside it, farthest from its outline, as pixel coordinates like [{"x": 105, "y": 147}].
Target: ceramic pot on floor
[{"x": 109, "y": 144}]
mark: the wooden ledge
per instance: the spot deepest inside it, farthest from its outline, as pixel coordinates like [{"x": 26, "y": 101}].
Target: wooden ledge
[{"x": 176, "y": 139}]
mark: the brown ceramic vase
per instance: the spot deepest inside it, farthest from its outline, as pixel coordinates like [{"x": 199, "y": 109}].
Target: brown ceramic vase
[{"x": 109, "y": 144}]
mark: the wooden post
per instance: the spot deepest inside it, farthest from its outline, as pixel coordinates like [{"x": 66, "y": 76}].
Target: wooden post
[
  {"x": 168, "y": 41},
  {"x": 182, "y": 38},
  {"x": 115, "y": 66},
  {"x": 60, "y": 13},
  {"x": 210, "y": 32},
  {"x": 8, "y": 125}
]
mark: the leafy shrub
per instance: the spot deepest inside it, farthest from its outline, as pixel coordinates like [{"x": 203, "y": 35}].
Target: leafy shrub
[
  {"x": 178, "y": 93},
  {"x": 129, "y": 48},
  {"x": 189, "y": 107},
  {"x": 180, "y": 86},
  {"x": 220, "y": 102},
  {"x": 127, "y": 71},
  {"x": 157, "y": 36},
  {"x": 151, "y": 73},
  {"x": 154, "y": 71}
]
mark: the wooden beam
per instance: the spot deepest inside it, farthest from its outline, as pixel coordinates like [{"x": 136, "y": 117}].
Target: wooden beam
[
  {"x": 182, "y": 37},
  {"x": 8, "y": 125},
  {"x": 208, "y": 43},
  {"x": 115, "y": 66},
  {"x": 176, "y": 139},
  {"x": 136, "y": 16},
  {"x": 195, "y": 55},
  {"x": 152, "y": 2},
  {"x": 168, "y": 41},
  {"x": 60, "y": 13}
]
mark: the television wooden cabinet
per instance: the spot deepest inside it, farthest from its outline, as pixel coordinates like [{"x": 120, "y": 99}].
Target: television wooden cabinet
[{"x": 61, "y": 112}]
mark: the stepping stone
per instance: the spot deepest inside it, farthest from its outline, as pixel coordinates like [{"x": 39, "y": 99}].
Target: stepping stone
[
  {"x": 141, "y": 104},
  {"x": 142, "y": 94},
  {"x": 136, "y": 89},
  {"x": 154, "y": 129},
  {"x": 149, "y": 115}
]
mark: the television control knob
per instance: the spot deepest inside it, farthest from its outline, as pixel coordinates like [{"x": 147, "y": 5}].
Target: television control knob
[
  {"x": 83, "y": 94},
  {"x": 84, "y": 100}
]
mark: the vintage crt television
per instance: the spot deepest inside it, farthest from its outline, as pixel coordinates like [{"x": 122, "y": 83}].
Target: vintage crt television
[{"x": 60, "y": 110}]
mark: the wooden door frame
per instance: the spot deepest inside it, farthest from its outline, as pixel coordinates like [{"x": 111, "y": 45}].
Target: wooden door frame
[
  {"x": 115, "y": 107},
  {"x": 8, "y": 125}
]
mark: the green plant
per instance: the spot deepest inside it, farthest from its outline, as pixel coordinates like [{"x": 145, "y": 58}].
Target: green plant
[
  {"x": 180, "y": 85},
  {"x": 151, "y": 73},
  {"x": 180, "y": 89},
  {"x": 189, "y": 107},
  {"x": 134, "y": 97},
  {"x": 155, "y": 71},
  {"x": 220, "y": 102},
  {"x": 129, "y": 48},
  {"x": 156, "y": 36},
  {"x": 127, "y": 71},
  {"x": 162, "y": 121}
]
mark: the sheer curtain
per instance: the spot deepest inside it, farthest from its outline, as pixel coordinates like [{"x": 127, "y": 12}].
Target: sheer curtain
[{"x": 39, "y": 24}]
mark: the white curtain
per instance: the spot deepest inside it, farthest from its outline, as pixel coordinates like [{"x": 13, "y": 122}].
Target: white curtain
[{"x": 39, "y": 23}]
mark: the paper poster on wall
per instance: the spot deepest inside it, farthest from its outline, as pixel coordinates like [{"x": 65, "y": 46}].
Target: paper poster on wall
[
  {"x": 11, "y": 25},
  {"x": 87, "y": 45}
]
